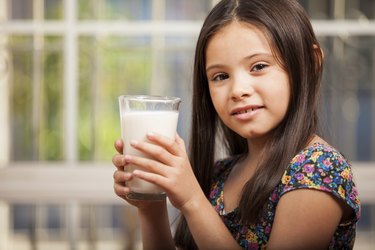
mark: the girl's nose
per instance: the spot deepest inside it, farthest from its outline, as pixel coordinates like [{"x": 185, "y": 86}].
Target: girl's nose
[{"x": 241, "y": 88}]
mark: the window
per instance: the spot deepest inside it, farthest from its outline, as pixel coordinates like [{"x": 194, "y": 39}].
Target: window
[{"x": 63, "y": 63}]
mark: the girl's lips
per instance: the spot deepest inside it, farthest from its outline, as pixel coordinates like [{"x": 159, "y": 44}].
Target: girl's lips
[
  {"x": 246, "y": 113},
  {"x": 244, "y": 110}
]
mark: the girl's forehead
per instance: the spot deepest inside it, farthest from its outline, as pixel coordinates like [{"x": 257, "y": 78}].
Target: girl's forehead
[
  {"x": 236, "y": 33},
  {"x": 239, "y": 28},
  {"x": 253, "y": 38}
]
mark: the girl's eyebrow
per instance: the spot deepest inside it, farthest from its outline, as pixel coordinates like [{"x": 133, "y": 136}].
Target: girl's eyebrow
[
  {"x": 214, "y": 66},
  {"x": 267, "y": 55},
  {"x": 259, "y": 55}
]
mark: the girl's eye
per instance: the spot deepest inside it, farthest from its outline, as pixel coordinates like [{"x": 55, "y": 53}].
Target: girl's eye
[
  {"x": 220, "y": 77},
  {"x": 259, "y": 67}
]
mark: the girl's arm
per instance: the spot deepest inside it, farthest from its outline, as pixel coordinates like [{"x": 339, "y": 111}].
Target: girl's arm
[
  {"x": 306, "y": 219},
  {"x": 155, "y": 227},
  {"x": 207, "y": 228},
  {"x": 172, "y": 171},
  {"x": 153, "y": 215}
]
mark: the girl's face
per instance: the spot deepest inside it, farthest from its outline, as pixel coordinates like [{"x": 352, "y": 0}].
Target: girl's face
[{"x": 249, "y": 89}]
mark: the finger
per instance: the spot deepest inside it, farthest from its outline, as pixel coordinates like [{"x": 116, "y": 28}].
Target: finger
[
  {"x": 119, "y": 161},
  {"x": 169, "y": 144},
  {"x": 121, "y": 190},
  {"x": 153, "y": 178},
  {"x": 146, "y": 164},
  {"x": 180, "y": 141},
  {"x": 121, "y": 177},
  {"x": 119, "y": 145},
  {"x": 155, "y": 151}
]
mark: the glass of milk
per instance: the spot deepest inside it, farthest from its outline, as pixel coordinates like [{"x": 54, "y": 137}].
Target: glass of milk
[{"x": 141, "y": 114}]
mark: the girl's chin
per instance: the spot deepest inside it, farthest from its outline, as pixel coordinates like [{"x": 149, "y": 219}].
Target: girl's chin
[
  {"x": 256, "y": 138},
  {"x": 253, "y": 136}
]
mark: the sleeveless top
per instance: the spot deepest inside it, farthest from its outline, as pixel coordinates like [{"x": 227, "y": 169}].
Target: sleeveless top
[{"x": 317, "y": 167}]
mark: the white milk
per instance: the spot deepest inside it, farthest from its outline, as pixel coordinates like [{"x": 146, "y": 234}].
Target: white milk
[{"x": 135, "y": 126}]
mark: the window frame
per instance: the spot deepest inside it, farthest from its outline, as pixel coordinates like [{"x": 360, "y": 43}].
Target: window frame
[{"x": 70, "y": 28}]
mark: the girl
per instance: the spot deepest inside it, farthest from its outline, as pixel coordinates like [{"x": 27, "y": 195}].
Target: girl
[{"x": 257, "y": 76}]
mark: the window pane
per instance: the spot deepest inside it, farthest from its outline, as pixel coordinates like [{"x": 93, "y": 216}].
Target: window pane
[
  {"x": 51, "y": 129},
  {"x": 36, "y": 98},
  {"x": 20, "y": 9},
  {"x": 344, "y": 9},
  {"x": 188, "y": 10},
  {"x": 114, "y": 9},
  {"x": 48, "y": 226},
  {"x": 179, "y": 58},
  {"x": 349, "y": 94},
  {"x": 53, "y": 9},
  {"x": 21, "y": 98},
  {"x": 109, "y": 67}
]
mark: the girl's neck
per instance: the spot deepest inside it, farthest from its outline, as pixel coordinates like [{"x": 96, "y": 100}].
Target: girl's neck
[{"x": 256, "y": 147}]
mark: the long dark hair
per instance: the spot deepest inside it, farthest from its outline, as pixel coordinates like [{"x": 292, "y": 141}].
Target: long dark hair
[{"x": 293, "y": 42}]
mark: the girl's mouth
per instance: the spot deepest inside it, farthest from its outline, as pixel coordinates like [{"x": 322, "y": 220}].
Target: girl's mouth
[{"x": 245, "y": 110}]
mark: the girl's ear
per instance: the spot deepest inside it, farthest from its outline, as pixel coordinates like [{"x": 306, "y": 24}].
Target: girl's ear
[{"x": 319, "y": 53}]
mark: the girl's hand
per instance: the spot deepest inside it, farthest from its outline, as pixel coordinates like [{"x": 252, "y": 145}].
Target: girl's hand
[
  {"x": 121, "y": 177},
  {"x": 170, "y": 169}
]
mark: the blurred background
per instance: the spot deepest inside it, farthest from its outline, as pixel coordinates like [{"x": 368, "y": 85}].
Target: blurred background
[{"x": 63, "y": 63}]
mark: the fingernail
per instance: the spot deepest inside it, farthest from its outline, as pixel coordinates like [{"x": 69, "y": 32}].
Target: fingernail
[
  {"x": 123, "y": 161},
  {"x": 127, "y": 158},
  {"x": 127, "y": 175},
  {"x": 126, "y": 191},
  {"x": 133, "y": 142},
  {"x": 136, "y": 172},
  {"x": 150, "y": 134}
]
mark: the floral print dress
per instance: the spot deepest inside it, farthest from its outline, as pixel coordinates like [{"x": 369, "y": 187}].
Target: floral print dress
[{"x": 318, "y": 167}]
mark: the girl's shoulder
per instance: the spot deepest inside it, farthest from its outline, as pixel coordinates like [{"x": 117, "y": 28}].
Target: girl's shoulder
[
  {"x": 322, "y": 167},
  {"x": 321, "y": 156}
]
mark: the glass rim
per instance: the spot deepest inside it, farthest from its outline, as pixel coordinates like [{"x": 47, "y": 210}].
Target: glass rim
[{"x": 150, "y": 98}]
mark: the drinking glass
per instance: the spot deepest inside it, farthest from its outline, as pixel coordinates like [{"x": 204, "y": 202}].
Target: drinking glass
[{"x": 141, "y": 114}]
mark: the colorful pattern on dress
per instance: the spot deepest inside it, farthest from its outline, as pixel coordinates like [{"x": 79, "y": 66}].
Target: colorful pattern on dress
[{"x": 318, "y": 167}]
